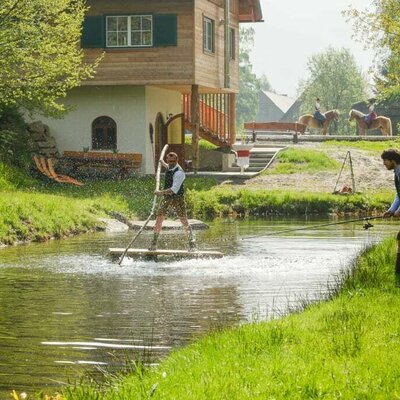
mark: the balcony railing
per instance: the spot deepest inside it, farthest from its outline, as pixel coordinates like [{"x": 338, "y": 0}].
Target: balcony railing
[{"x": 213, "y": 113}]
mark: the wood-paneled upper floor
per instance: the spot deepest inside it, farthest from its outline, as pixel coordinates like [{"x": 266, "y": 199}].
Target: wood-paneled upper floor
[{"x": 166, "y": 43}]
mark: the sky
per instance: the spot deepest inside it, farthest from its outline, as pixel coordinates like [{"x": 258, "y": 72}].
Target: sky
[{"x": 294, "y": 30}]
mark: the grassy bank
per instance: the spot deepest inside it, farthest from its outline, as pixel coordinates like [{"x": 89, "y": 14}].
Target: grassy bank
[
  {"x": 225, "y": 201},
  {"x": 347, "y": 347},
  {"x": 31, "y": 209}
]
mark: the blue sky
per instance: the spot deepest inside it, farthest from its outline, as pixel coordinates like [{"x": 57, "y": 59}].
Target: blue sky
[{"x": 294, "y": 30}]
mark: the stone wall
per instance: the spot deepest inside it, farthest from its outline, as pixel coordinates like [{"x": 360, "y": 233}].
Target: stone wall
[{"x": 42, "y": 142}]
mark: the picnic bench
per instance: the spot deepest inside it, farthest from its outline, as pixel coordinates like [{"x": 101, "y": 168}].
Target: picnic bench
[
  {"x": 102, "y": 162},
  {"x": 290, "y": 127}
]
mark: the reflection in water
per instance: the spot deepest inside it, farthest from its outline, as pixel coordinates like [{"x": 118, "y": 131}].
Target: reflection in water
[{"x": 65, "y": 307}]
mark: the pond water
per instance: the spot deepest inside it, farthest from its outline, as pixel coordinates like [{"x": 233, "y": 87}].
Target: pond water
[{"x": 68, "y": 310}]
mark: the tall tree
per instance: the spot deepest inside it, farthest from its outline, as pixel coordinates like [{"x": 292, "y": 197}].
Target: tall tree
[
  {"x": 336, "y": 79},
  {"x": 379, "y": 29},
  {"x": 248, "y": 97},
  {"x": 40, "y": 56}
]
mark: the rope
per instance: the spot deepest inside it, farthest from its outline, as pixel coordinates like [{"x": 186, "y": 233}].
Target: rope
[
  {"x": 366, "y": 226},
  {"x": 153, "y": 206}
]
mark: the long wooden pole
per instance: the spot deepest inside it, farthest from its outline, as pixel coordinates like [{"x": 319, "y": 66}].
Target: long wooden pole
[{"x": 153, "y": 207}]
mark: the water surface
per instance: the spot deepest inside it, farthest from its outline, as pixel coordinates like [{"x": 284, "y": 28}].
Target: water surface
[{"x": 67, "y": 309}]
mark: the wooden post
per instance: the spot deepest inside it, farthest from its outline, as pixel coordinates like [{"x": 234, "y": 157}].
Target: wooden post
[
  {"x": 195, "y": 122},
  {"x": 232, "y": 118}
]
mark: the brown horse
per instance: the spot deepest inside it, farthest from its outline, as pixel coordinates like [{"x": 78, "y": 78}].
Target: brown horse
[
  {"x": 383, "y": 123},
  {"x": 312, "y": 122}
]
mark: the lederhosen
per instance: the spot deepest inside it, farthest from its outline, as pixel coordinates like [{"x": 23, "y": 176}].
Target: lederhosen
[{"x": 175, "y": 201}]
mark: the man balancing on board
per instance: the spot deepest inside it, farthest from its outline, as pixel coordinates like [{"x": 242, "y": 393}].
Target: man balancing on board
[
  {"x": 391, "y": 160},
  {"x": 173, "y": 200}
]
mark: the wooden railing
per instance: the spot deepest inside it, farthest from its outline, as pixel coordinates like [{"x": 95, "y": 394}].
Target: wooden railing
[{"x": 213, "y": 113}]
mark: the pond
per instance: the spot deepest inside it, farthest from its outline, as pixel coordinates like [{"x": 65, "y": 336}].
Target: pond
[{"x": 68, "y": 310}]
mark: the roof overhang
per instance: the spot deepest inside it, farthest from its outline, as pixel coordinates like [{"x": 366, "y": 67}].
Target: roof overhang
[{"x": 250, "y": 11}]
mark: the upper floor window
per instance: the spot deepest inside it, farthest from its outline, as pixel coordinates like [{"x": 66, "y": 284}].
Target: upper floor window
[
  {"x": 129, "y": 31},
  {"x": 104, "y": 134},
  {"x": 232, "y": 44},
  {"x": 208, "y": 32}
]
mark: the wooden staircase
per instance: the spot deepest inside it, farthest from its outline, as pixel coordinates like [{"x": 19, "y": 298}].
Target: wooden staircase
[{"x": 208, "y": 135}]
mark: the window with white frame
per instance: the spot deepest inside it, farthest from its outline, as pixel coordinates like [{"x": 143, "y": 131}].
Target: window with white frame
[
  {"x": 208, "y": 32},
  {"x": 129, "y": 31}
]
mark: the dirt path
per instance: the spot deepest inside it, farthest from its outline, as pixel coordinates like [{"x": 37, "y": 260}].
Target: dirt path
[{"x": 369, "y": 175}]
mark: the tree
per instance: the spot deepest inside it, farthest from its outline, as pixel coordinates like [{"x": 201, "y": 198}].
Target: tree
[
  {"x": 264, "y": 83},
  {"x": 335, "y": 78},
  {"x": 248, "y": 97},
  {"x": 40, "y": 56},
  {"x": 379, "y": 29}
]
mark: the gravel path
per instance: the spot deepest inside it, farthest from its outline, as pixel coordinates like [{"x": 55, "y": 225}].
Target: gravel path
[{"x": 370, "y": 175}]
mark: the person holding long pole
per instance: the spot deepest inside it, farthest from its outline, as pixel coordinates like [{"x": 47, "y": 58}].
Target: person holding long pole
[
  {"x": 391, "y": 160},
  {"x": 173, "y": 199}
]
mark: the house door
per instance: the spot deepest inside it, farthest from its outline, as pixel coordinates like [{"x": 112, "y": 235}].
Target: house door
[
  {"x": 175, "y": 133},
  {"x": 172, "y": 133}
]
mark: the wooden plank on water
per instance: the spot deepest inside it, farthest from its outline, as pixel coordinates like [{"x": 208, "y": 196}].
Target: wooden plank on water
[{"x": 166, "y": 252}]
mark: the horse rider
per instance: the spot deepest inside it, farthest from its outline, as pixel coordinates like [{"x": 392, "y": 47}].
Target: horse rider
[
  {"x": 318, "y": 115},
  {"x": 371, "y": 113}
]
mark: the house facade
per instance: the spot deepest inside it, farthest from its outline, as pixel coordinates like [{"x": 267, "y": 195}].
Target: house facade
[{"x": 166, "y": 66}]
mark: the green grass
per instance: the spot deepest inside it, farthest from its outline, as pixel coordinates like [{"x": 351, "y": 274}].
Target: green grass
[
  {"x": 204, "y": 144},
  {"x": 12, "y": 178},
  {"x": 347, "y": 347},
  {"x": 292, "y": 160}
]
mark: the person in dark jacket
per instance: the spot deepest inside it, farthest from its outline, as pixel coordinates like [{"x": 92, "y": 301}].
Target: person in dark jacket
[
  {"x": 173, "y": 200},
  {"x": 391, "y": 160}
]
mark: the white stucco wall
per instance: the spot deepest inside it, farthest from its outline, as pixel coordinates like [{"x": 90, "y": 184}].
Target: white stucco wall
[{"x": 133, "y": 108}]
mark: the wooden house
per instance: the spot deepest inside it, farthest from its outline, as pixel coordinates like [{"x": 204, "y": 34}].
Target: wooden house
[{"x": 168, "y": 67}]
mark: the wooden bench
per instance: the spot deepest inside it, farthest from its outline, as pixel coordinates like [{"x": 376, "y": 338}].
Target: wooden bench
[
  {"x": 98, "y": 161},
  {"x": 290, "y": 127}
]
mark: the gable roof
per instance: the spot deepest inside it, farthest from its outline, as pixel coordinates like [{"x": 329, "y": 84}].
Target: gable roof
[
  {"x": 282, "y": 101},
  {"x": 250, "y": 11}
]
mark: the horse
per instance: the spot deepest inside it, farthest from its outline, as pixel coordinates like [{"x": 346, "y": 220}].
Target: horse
[
  {"x": 312, "y": 122},
  {"x": 383, "y": 123}
]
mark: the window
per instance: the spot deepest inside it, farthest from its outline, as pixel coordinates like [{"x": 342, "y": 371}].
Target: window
[
  {"x": 208, "y": 38},
  {"x": 129, "y": 31},
  {"x": 232, "y": 44},
  {"x": 104, "y": 134}
]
